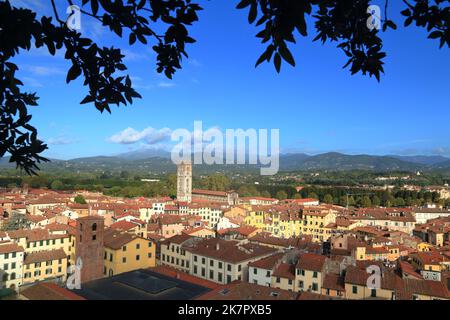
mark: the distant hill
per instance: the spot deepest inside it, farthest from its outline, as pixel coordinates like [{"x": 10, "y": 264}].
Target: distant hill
[
  {"x": 331, "y": 161},
  {"x": 443, "y": 165},
  {"x": 144, "y": 154},
  {"x": 343, "y": 162},
  {"x": 427, "y": 160}
]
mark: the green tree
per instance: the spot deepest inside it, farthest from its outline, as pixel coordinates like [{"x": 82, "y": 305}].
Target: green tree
[
  {"x": 328, "y": 199},
  {"x": 281, "y": 195},
  {"x": 266, "y": 194},
  {"x": 57, "y": 185},
  {"x": 164, "y": 25},
  {"x": 80, "y": 199},
  {"x": 366, "y": 202},
  {"x": 376, "y": 201},
  {"x": 124, "y": 174},
  {"x": 399, "y": 202}
]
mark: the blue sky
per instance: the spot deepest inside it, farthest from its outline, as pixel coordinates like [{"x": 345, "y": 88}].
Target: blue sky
[{"x": 318, "y": 106}]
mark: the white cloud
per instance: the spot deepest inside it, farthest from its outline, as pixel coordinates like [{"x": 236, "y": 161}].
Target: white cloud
[
  {"x": 132, "y": 55},
  {"x": 164, "y": 84},
  {"x": 194, "y": 62},
  {"x": 43, "y": 70},
  {"x": 149, "y": 136},
  {"x": 61, "y": 140},
  {"x": 32, "y": 82}
]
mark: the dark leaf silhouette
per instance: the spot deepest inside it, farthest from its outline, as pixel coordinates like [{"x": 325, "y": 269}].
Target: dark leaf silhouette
[{"x": 101, "y": 69}]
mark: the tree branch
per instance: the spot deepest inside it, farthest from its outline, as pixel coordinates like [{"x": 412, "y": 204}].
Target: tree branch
[{"x": 56, "y": 12}]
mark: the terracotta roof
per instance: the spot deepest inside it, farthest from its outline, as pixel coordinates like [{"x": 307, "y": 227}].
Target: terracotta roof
[
  {"x": 42, "y": 256},
  {"x": 334, "y": 282},
  {"x": 178, "y": 239},
  {"x": 116, "y": 240},
  {"x": 228, "y": 250},
  {"x": 210, "y": 192},
  {"x": 10, "y": 248},
  {"x": 48, "y": 291},
  {"x": 123, "y": 225},
  {"x": 285, "y": 270},
  {"x": 247, "y": 291},
  {"x": 267, "y": 263},
  {"x": 311, "y": 261}
]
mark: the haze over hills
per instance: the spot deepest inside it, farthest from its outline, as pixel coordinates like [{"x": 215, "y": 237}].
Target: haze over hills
[
  {"x": 427, "y": 160},
  {"x": 160, "y": 163}
]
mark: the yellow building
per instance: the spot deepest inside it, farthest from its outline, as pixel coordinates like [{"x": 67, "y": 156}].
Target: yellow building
[
  {"x": 317, "y": 222},
  {"x": 44, "y": 266},
  {"x": 126, "y": 252},
  {"x": 309, "y": 273},
  {"x": 424, "y": 247}
]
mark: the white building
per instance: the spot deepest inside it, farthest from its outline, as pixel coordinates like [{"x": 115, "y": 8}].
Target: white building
[
  {"x": 422, "y": 215},
  {"x": 260, "y": 271}
]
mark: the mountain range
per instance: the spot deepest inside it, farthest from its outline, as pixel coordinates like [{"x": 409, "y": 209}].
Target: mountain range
[{"x": 160, "y": 163}]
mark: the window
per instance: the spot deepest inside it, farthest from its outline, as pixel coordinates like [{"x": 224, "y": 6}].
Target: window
[
  {"x": 315, "y": 274},
  {"x": 110, "y": 257},
  {"x": 13, "y": 276},
  {"x": 203, "y": 272},
  {"x": 211, "y": 263},
  {"x": 138, "y": 246},
  {"x": 220, "y": 265},
  {"x": 13, "y": 265},
  {"x": 211, "y": 274},
  {"x": 239, "y": 267},
  {"x": 373, "y": 293},
  {"x": 138, "y": 257},
  {"x": 301, "y": 284},
  {"x": 149, "y": 254},
  {"x": 94, "y": 237},
  {"x": 278, "y": 280},
  {"x": 219, "y": 276},
  {"x": 94, "y": 227},
  {"x": 203, "y": 260},
  {"x": 149, "y": 244},
  {"x": 195, "y": 258},
  {"x": 195, "y": 269},
  {"x": 229, "y": 267},
  {"x": 124, "y": 248},
  {"x": 228, "y": 279},
  {"x": 315, "y": 287},
  {"x": 354, "y": 289},
  {"x": 268, "y": 273},
  {"x": 255, "y": 271},
  {"x": 124, "y": 260}
]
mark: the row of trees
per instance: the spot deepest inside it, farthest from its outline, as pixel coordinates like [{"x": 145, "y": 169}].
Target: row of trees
[{"x": 130, "y": 187}]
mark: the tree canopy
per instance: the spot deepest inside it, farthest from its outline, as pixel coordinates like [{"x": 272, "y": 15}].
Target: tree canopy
[{"x": 345, "y": 22}]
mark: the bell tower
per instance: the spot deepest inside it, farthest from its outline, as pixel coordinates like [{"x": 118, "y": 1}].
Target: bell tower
[
  {"x": 184, "y": 182},
  {"x": 89, "y": 247}
]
